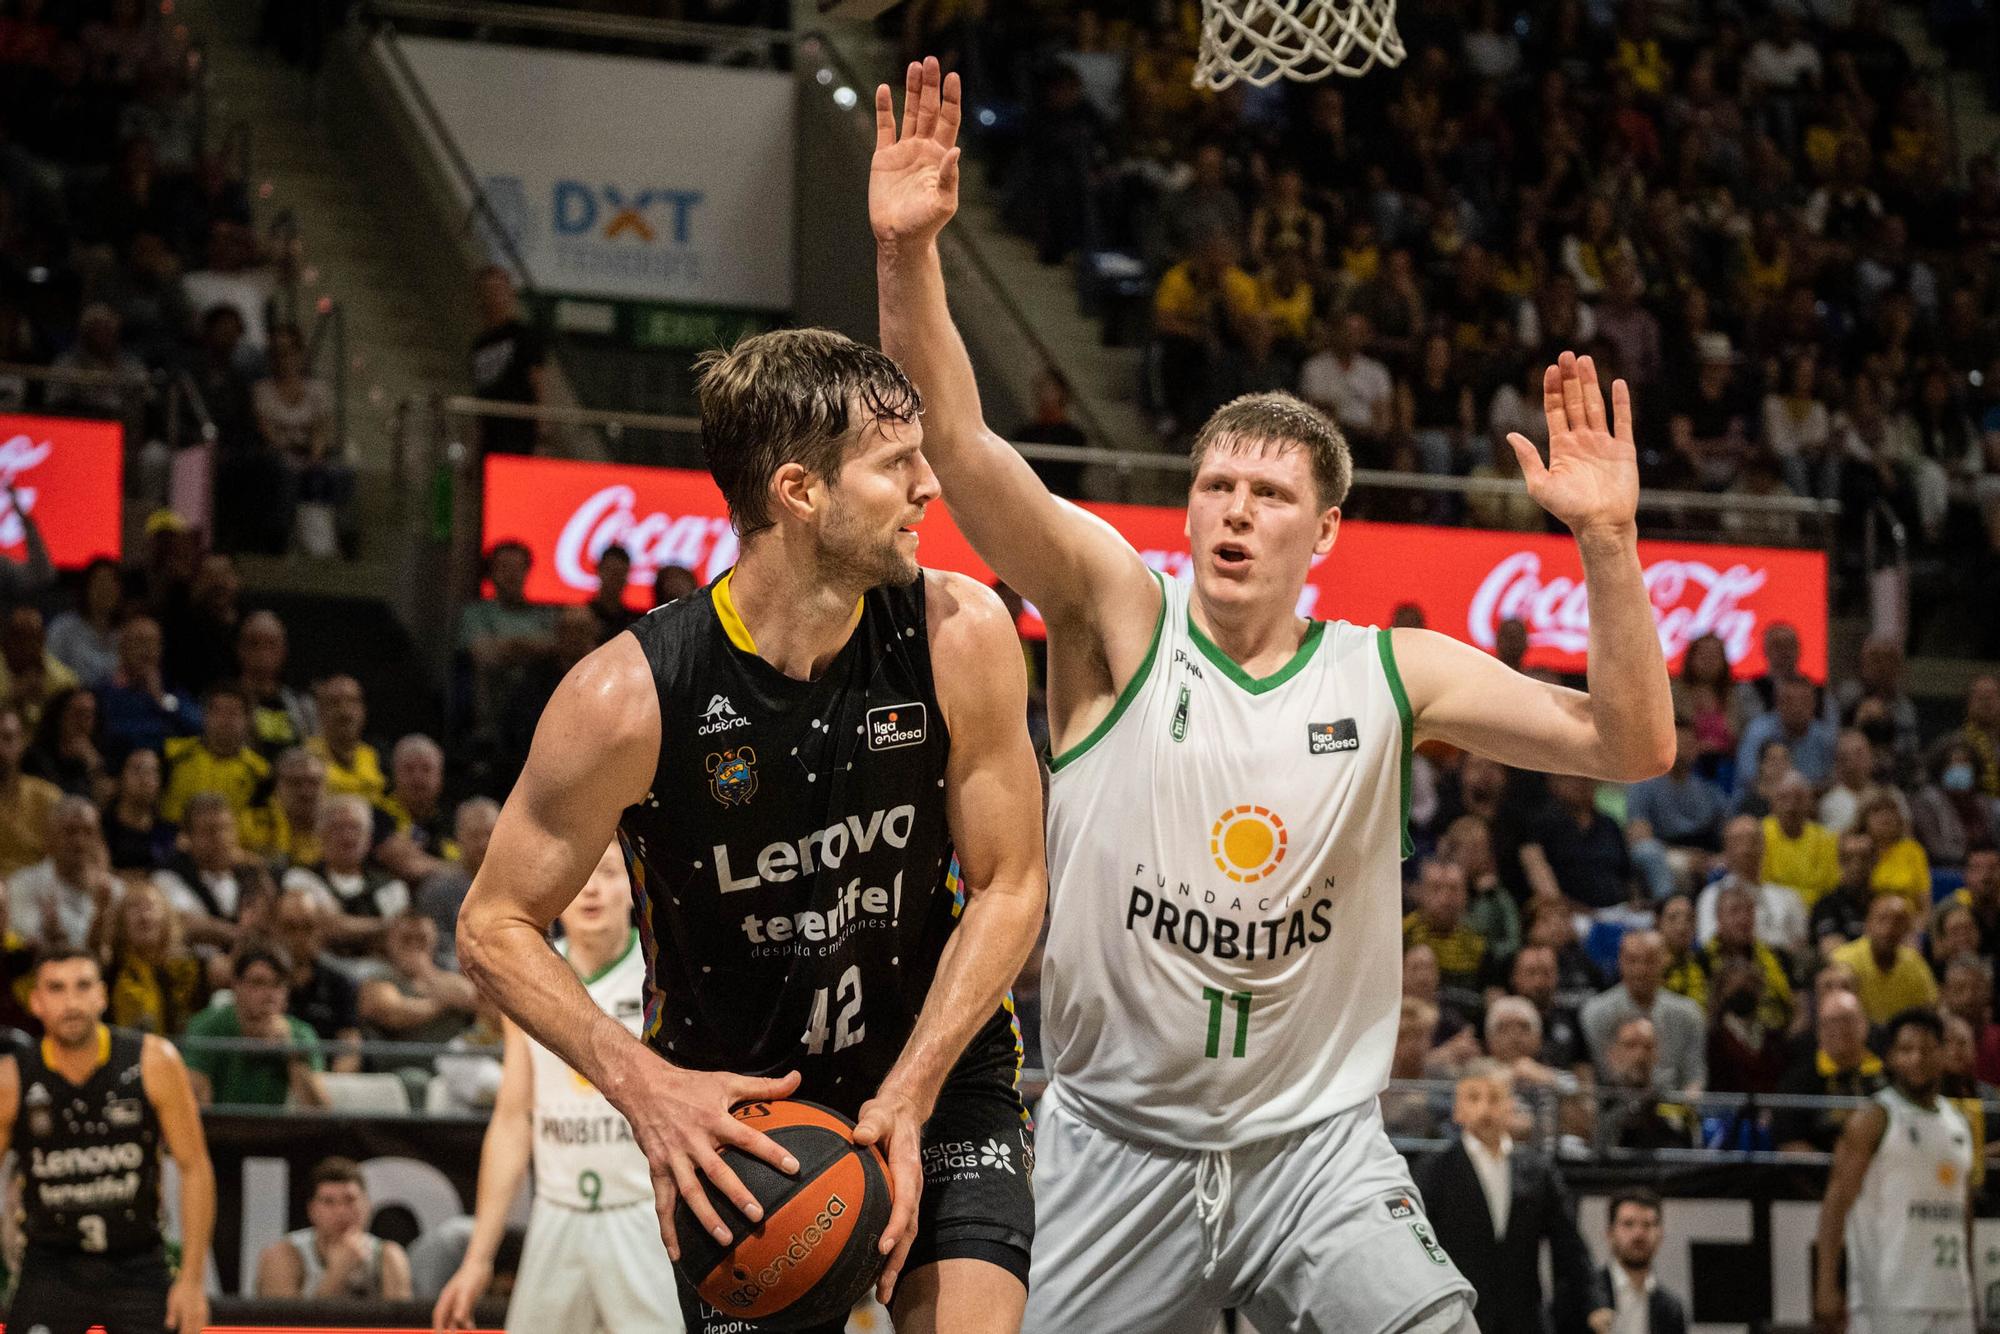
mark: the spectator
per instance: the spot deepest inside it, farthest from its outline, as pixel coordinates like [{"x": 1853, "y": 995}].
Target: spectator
[
  {"x": 1409, "y": 1112},
  {"x": 26, "y": 802},
  {"x": 1839, "y": 1066},
  {"x": 1792, "y": 721},
  {"x": 321, "y": 992},
  {"x": 83, "y": 639},
  {"x": 1853, "y": 781},
  {"x": 1685, "y": 974},
  {"x": 442, "y": 892},
  {"x": 1841, "y": 914},
  {"x": 1493, "y": 1203},
  {"x": 1880, "y": 680},
  {"x": 1674, "y": 822},
  {"x": 416, "y": 1001},
  {"x": 1797, "y": 426},
  {"x": 1575, "y": 851},
  {"x": 54, "y": 902},
  {"x": 154, "y": 982},
  {"x": 1952, "y": 817},
  {"x": 1759, "y": 694},
  {"x": 363, "y": 897},
  {"x": 1736, "y": 939},
  {"x": 280, "y": 717},
  {"x": 508, "y": 363},
  {"x": 1961, "y": 1083},
  {"x": 65, "y": 750},
  {"x": 29, "y": 674},
  {"x": 1631, "y": 1115},
  {"x": 138, "y": 838},
  {"x": 1202, "y": 306},
  {"x": 218, "y": 370},
  {"x": 1639, "y": 1303},
  {"x": 219, "y": 760},
  {"x": 1468, "y": 845},
  {"x": 100, "y": 354},
  {"x": 1982, "y": 730},
  {"x": 28, "y": 580},
  {"x": 1514, "y": 1042},
  {"x": 284, "y": 829},
  {"x": 1745, "y": 1053},
  {"x": 1759, "y": 797},
  {"x": 352, "y": 765},
  {"x": 1439, "y": 922},
  {"x": 295, "y": 418},
  {"x": 223, "y": 1073},
  {"x": 502, "y": 635},
  {"x": 1967, "y": 993},
  {"x": 1982, "y": 895},
  {"x": 575, "y": 638},
  {"x": 334, "y": 1259},
  {"x": 1781, "y": 914},
  {"x": 412, "y": 833},
  {"x": 1954, "y": 931},
  {"x": 235, "y": 277},
  {"x": 202, "y": 624},
  {"x": 1352, "y": 387},
  {"x": 1551, "y": 923},
  {"x": 1900, "y": 865},
  {"x": 1533, "y": 977},
  {"x": 1800, "y": 854},
  {"x": 209, "y": 883},
  {"x": 1889, "y": 974},
  {"x": 671, "y": 583},
  {"x": 607, "y": 604},
  {"x": 137, "y": 708},
  {"x": 1680, "y": 1027}
]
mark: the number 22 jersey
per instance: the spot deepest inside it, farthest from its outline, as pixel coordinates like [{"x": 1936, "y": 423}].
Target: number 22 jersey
[
  {"x": 1224, "y": 959},
  {"x": 792, "y": 864}
]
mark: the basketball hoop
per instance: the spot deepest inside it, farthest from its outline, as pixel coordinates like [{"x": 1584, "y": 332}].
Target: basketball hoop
[{"x": 1262, "y": 41}]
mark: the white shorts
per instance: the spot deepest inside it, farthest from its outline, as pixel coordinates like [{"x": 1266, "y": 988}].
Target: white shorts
[
  {"x": 1909, "y": 1322},
  {"x": 584, "y": 1271},
  {"x": 1319, "y": 1230}
]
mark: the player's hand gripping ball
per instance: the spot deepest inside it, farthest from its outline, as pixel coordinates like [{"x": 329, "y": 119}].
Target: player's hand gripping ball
[{"x": 817, "y": 1251}]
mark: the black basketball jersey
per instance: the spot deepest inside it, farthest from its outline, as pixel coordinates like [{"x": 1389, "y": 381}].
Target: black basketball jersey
[
  {"x": 89, "y": 1154},
  {"x": 792, "y": 864}
]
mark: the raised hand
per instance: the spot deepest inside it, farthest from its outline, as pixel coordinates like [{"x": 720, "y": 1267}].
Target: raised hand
[
  {"x": 913, "y": 180},
  {"x": 1592, "y": 477}
]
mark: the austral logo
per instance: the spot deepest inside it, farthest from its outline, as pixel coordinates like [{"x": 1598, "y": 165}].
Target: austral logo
[
  {"x": 1329, "y": 738},
  {"x": 732, "y": 776},
  {"x": 894, "y": 726},
  {"x": 720, "y": 716}
]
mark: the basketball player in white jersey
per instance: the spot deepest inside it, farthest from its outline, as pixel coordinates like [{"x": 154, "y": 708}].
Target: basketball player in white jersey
[
  {"x": 1227, "y": 811},
  {"x": 1900, "y": 1197},
  {"x": 593, "y": 1259}
]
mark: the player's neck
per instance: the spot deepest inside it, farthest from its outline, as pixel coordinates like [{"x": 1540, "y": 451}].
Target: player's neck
[
  {"x": 588, "y": 953},
  {"x": 77, "y": 1063},
  {"x": 1259, "y": 639},
  {"x": 798, "y": 621}
]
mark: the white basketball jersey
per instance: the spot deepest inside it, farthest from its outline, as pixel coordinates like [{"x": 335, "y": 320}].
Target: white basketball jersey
[
  {"x": 1906, "y": 1232},
  {"x": 1224, "y": 959},
  {"x": 585, "y": 1157}
]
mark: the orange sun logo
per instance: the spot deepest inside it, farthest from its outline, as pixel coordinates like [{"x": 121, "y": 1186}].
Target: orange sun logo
[{"x": 1247, "y": 843}]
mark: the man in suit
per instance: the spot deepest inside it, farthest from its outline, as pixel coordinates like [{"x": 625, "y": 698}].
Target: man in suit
[
  {"x": 1493, "y": 1203},
  {"x": 1639, "y": 1304}
]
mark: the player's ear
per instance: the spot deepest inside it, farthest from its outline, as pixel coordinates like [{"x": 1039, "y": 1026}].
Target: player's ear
[
  {"x": 1329, "y": 529},
  {"x": 792, "y": 491}
]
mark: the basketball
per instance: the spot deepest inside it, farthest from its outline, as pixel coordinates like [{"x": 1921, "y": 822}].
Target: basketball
[{"x": 815, "y": 1254}]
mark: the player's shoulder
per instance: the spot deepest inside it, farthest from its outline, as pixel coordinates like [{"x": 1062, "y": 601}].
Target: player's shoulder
[{"x": 963, "y": 614}]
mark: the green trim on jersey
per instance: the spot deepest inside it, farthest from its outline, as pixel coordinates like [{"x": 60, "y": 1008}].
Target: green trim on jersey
[
  {"x": 631, "y": 941},
  {"x": 1125, "y": 696},
  {"x": 1229, "y": 667},
  {"x": 1385, "y": 645}
]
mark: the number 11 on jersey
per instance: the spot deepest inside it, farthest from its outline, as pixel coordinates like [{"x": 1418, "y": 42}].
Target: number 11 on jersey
[{"x": 1215, "y": 999}]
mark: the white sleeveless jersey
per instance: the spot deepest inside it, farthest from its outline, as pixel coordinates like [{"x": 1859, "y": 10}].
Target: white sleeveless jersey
[
  {"x": 585, "y": 1156},
  {"x": 1906, "y": 1232},
  {"x": 1224, "y": 959}
]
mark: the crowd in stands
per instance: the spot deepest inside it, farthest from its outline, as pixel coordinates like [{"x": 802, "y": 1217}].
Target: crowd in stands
[
  {"x": 129, "y": 259},
  {"x": 1750, "y": 212}
]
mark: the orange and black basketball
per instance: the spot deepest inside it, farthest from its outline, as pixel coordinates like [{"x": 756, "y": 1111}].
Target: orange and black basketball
[{"x": 817, "y": 1251}]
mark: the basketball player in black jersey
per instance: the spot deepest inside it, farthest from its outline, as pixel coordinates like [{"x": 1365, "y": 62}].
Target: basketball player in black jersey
[
  {"x": 821, "y": 772},
  {"x": 87, "y": 1110}
]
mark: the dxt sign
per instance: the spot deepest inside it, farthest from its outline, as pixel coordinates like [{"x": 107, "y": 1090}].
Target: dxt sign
[{"x": 648, "y": 215}]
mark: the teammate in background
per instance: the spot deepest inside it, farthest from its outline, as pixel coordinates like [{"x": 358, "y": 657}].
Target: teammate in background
[
  {"x": 593, "y": 1258},
  {"x": 1900, "y": 1197},
  {"x": 1230, "y": 795},
  {"x": 820, "y": 770},
  {"x": 88, "y": 1109}
]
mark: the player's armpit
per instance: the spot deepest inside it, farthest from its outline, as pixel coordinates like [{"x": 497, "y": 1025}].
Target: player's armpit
[{"x": 1461, "y": 696}]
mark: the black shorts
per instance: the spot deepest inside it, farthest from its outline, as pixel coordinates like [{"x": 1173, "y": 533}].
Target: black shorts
[
  {"x": 64, "y": 1292},
  {"x": 977, "y": 1204}
]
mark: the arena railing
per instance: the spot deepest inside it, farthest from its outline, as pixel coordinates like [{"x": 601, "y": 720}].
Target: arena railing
[{"x": 485, "y": 20}]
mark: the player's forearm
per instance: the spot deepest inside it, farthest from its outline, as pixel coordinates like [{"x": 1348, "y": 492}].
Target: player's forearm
[
  {"x": 197, "y": 1217},
  {"x": 1631, "y": 703},
  {"x": 979, "y": 962},
  {"x": 918, "y": 331},
  {"x": 503, "y": 1162},
  {"x": 509, "y": 960}
]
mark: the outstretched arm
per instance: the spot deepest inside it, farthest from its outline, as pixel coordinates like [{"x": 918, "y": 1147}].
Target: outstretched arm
[
  {"x": 1623, "y": 729},
  {"x": 1072, "y": 565},
  {"x": 1858, "y": 1141}
]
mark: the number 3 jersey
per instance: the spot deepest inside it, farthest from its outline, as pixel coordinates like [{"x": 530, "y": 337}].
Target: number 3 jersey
[
  {"x": 584, "y": 1154},
  {"x": 792, "y": 863},
  {"x": 1225, "y": 951},
  {"x": 89, "y": 1154}
]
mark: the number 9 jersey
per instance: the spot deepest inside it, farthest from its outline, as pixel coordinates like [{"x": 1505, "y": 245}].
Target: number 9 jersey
[{"x": 1225, "y": 949}]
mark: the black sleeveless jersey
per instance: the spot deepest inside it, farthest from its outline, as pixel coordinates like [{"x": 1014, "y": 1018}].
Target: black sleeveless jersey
[
  {"x": 792, "y": 865},
  {"x": 89, "y": 1155}
]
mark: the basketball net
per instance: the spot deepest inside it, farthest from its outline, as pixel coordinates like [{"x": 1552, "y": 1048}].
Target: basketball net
[{"x": 1262, "y": 41}]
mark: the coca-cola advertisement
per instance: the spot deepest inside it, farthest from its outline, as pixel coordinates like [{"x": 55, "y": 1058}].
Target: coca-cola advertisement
[
  {"x": 68, "y": 474},
  {"x": 1466, "y": 580}
]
